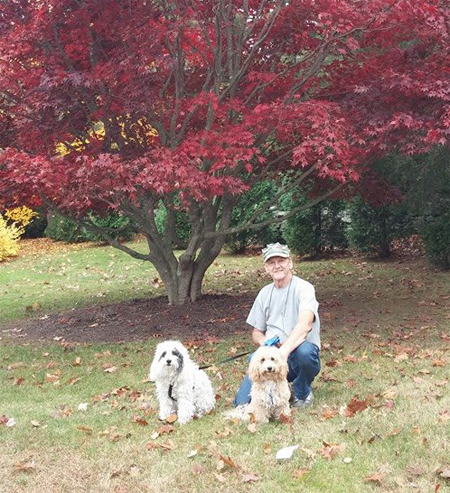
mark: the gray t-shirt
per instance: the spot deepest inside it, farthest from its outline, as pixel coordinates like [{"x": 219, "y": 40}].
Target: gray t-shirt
[{"x": 275, "y": 310}]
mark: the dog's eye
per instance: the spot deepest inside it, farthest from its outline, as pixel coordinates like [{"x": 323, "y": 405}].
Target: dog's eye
[
  {"x": 272, "y": 358},
  {"x": 163, "y": 354},
  {"x": 263, "y": 359}
]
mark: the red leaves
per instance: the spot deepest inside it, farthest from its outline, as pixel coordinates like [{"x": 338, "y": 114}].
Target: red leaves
[{"x": 183, "y": 111}]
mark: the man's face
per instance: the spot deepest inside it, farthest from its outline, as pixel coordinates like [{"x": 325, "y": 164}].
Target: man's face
[{"x": 278, "y": 267}]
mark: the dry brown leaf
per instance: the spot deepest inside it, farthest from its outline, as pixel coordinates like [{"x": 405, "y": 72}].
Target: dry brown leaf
[
  {"x": 329, "y": 412},
  {"x": 166, "y": 429},
  {"x": 225, "y": 432},
  {"x": 438, "y": 362},
  {"x": 139, "y": 420},
  {"x": 299, "y": 473},
  {"x": 19, "y": 381},
  {"x": 249, "y": 478},
  {"x": 220, "y": 477},
  {"x": 252, "y": 427},
  {"x": 85, "y": 429},
  {"x": 51, "y": 378},
  {"x": 228, "y": 461},
  {"x": 355, "y": 406},
  {"x": 26, "y": 467},
  {"x": 376, "y": 477},
  {"x": 330, "y": 451},
  {"x": 171, "y": 418},
  {"x": 110, "y": 369}
]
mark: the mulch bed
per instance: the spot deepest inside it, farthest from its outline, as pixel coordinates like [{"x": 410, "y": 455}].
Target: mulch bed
[{"x": 213, "y": 316}]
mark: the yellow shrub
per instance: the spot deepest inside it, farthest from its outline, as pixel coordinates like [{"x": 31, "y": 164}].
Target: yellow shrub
[
  {"x": 9, "y": 239},
  {"x": 12, "y": 228},
  {"x": 20, "y": 215}
]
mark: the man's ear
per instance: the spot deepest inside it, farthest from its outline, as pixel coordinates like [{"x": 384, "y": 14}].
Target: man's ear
[
  {"x": 266, "y": 267},
  {"x": 291, "y": 264}
]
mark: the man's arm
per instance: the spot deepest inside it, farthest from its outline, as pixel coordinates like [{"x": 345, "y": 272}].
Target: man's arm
[
  {"x": 258, "y": 337},
  {"x": 299, "y": 333}
]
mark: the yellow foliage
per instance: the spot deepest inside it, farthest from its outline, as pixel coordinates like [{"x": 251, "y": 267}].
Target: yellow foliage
[
  {"x": 142, "y": 131},
  {"x": 12, "y": 228},
  {"x": 9, "y": 239},
  {"x": 20, "y": 215}
]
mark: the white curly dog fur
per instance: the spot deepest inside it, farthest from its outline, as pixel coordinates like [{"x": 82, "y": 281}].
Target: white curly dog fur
[
  {"x": 181, "y": 387},
  {"x": 270, "y": 390}
]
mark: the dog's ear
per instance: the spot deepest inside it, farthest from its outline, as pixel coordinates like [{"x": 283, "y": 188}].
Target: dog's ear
[
  {"x": 282, "y": 369},
  {"x": 254, "y": 369},
  {"x": 153, "y": 372}
]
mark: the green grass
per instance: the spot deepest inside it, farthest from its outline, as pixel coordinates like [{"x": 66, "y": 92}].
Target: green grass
[{"x": 386, "y": 330}]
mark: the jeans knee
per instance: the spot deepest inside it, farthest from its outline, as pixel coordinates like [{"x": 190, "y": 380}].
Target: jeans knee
[{"x": 307, "y": 354}]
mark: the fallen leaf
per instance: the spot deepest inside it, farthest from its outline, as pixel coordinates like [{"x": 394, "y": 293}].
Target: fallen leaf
[
  {"x": 252, "y": 427},
  {"x": 228, "y": 461},
  {"x": 26, "y": 467},
  {"x": 111, "y": 369},
  {"x": 355, "y": 406},
  {"x": 35, "y": 424},
  {"x": 139, "y": 420},
  {"x": 249, "y": 478},
  {"x": 171, "y": 418},
  {"x": 220, "y": 477},
  {"x": 330, "y": 451},
  {"x": 85, "y": 429},
  {"x": 376, "y": 477},
  {"x": 299, "y": 473}
]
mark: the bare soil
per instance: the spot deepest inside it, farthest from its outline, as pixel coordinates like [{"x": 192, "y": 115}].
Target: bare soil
[{"x": 213, "y": 316}]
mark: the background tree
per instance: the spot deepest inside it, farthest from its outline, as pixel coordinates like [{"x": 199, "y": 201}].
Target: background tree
[
  {"x": 194, "y": 102},
  {"x": 249, "y": 203}
]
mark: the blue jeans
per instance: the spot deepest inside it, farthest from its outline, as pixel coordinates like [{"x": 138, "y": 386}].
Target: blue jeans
[{"x": 304, "y": 365}]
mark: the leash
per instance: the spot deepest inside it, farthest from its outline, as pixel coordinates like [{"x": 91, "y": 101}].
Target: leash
[{"x": 226, "y": 360}]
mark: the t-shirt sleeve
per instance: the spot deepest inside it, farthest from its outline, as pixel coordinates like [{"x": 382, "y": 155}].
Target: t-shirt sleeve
[
  {"x": 256, "y": 317},
  {"x": 308, "y": 300}
]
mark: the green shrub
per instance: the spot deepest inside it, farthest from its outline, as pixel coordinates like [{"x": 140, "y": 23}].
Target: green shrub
[
  {"x": 436, "y": 236},
  {"x": 247, "y": 205},
  {"x": 316, "y": 229},
  {"x": 63, "y": 229},
  {"x": 372, "y": 229},
  {"x": 37, "y": 227},
  {"x": 182, "y": 225}
]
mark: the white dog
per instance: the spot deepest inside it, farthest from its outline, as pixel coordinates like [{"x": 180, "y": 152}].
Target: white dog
[
  {"x": 270, "y": 390},
  {"x": 181, "y": 387}
]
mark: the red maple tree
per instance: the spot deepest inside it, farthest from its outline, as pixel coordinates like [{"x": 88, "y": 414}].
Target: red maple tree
[{"x": 123, "y": 105}]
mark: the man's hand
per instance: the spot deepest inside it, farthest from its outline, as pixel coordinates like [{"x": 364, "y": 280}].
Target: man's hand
[{"x": 284, "y": 352}]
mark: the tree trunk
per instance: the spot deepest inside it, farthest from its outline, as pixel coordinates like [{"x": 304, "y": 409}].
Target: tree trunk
[{"x": 183, "y": 284}]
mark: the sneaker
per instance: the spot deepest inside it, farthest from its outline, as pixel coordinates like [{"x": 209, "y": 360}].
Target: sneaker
[{"x": 299, "y": 403}]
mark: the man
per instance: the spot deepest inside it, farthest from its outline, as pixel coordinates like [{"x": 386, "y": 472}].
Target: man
[{"x": 287, "y": 308}]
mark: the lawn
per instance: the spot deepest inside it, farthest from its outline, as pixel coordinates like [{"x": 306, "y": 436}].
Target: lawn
[{"x": 82, "y": 418}]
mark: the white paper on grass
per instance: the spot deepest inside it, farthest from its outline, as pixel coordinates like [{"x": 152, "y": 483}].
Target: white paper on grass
[{"x": 286, "y": 453}]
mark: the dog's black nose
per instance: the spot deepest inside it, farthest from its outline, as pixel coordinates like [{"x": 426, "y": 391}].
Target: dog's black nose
[
  {"x": 269, "y": 368},
  {"x": 168, "y": 362}
]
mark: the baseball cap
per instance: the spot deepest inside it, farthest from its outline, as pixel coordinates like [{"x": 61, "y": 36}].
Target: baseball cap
[{"x": 275, "y": 250}]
